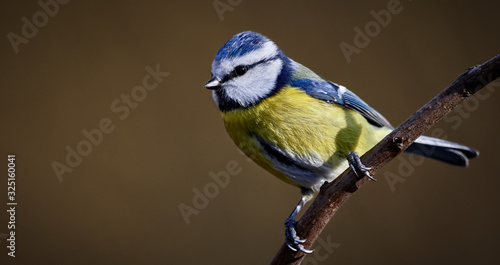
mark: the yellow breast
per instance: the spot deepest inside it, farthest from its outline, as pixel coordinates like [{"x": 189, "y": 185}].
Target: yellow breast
[{"x": 299, "y": 124}]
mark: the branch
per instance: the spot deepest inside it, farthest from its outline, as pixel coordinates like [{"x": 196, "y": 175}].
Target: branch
[{"x": 335, "y": 193}]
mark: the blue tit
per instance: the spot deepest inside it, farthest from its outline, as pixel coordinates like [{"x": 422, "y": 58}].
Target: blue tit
[{"x": 303, "y": 129}]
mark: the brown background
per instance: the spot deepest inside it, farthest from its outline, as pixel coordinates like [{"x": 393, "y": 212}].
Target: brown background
[{"x": 120, "y": 205}]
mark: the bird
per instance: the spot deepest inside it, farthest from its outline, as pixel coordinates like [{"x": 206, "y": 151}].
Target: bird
[{"x": 300, "y": 127}]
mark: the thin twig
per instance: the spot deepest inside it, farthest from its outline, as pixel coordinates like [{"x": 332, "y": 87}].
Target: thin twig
[{"x": 334, "y": 194}]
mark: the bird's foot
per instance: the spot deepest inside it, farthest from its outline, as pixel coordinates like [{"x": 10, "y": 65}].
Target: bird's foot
[
  {"x": 292, "y": 240},
  {"x": 358, "y": 167}
]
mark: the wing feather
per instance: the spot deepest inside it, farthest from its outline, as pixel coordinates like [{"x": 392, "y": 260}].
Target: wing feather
[{"x": 332, "y": 93}]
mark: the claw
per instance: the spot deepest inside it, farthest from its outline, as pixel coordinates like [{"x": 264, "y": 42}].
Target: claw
[
  {"x": 300, "y": 240},
  {"x": 357, "y": 166},
  {"x": 292, "y": 240}
]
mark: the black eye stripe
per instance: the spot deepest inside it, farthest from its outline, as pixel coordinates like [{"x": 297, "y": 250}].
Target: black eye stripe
[
  {"x": 233, "y": 73},
  {"x": 240, "y": 70}
]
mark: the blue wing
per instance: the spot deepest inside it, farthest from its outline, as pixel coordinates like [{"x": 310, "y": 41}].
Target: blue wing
[{"x": 335, "y": 94}]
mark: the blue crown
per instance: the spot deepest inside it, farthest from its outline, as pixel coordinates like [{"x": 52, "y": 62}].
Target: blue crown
[{"x": 241, "y": 44}]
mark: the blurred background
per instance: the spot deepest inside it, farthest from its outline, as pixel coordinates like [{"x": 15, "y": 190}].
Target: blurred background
[{"x": 134, "y": 196}]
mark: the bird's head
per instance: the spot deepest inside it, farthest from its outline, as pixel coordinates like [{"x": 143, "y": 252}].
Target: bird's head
[{"x": 248, "y": 68}]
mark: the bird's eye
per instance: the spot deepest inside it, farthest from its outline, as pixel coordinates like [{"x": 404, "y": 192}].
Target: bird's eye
[{"x": 240, "y": 70}]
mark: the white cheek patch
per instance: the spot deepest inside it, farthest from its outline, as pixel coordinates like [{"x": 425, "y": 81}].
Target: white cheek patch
[{"x": 254, "y": 85}]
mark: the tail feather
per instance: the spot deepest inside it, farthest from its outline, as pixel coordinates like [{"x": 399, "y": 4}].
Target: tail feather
[{"x": 445, "y": 151}]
